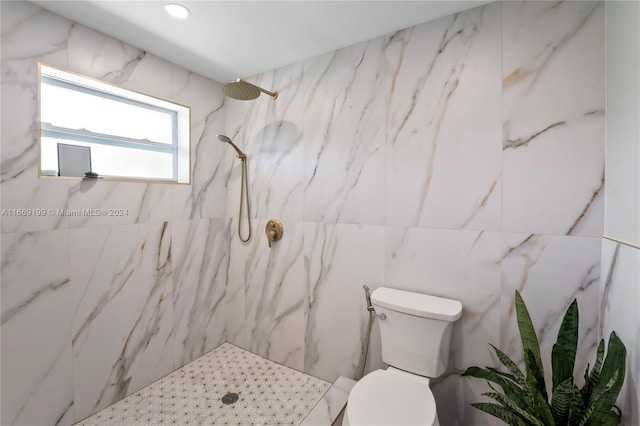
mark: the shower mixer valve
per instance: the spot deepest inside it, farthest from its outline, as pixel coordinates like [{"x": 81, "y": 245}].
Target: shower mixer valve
[{"x": 273, "y": 231}]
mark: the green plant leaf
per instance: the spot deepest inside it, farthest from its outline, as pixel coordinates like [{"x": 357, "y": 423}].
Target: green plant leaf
[
  {"x": 503, "y": 413},
  {"x": 576, "y": 408},
  {"x": 529, "y": 341},
  {"x": 509, "y": 387},
  {"x": 502, "y": 373},
  {"x": 507, "y": 402},
  {"x": 594, "y": 414},
  {"x": 519, "y": 377},
  {"x": 544, "y": 410},
  {"x": 524, "y": 401},
  {"x": 541, "y": 403},
  {"x": 591, "y": 378},
  {"x": 563, "y": 354},
  {"x": 613, "y": 418},
  {"x": 607, "y": 388},
  {"x": 535, "y": 377},
  {"x": 561, "y": 401},
  {"x": 511, "y": 366}
]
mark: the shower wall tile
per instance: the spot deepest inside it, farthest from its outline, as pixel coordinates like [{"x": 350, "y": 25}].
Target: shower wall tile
[
  {"x": 443, "y": 92},
  {"x": 120, "y": 203},
  {"x": 121, "y": 294},
  {"x": 110, "y": 60},
  {"x": 23, "y": 46},
  {"x": 622, "y": 207},
  {"x": 330, "y": 408},
  {"x": 37, "y": 386},
  {"x": 234, "y": 128},
  {"x": 102, "y": 57},
  {"x": 344, "y": 150},
  {"x": 273, "y": 285},
  {"x": 620, "y": 298},
  {"x": 553, "y": 112},
  {"x": 235, "y": 288},
  {"x": 111, "y": 316},
  {"x": 455, "y": 264},
  {"x": 206, "y": 197},
  {"x": 271, "y": 138},
  {"x": 460, "y": 265},
  {"x": 199, "y": 261},
  {"x": 549, "y": 272},
  {"x": 339, "y": 259}
]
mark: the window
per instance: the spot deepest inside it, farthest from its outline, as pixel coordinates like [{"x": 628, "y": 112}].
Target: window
[{"x": 117, "y": 133}]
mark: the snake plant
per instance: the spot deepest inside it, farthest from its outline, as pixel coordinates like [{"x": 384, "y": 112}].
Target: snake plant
[{"x": 522, "y": 398}]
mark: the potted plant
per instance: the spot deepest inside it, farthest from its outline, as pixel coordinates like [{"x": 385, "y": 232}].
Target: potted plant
[{"x": 522, "y": 398}]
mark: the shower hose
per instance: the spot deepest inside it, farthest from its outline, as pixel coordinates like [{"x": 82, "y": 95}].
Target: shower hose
[{"x": 244, "y": 196}]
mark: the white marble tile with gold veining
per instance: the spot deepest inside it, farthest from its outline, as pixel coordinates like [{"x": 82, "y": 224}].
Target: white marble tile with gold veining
[
  {"x": 460, "y": 265},
  {"x": 121, "y": 294},
  {"x": 344, "y": 148},
  {"x": 553, "y": 112},
  {"x": 549, "y": 272},
  {"x": 199, "y": 261},
  {"x": 443, "y": 130},
  {"x": 102, "y": 203},
  {"x": 339, "y": 260},
  {"x": 37, "y": 383},
  {"x": 331, "y": 404},
  {"x": 206, "y": 197},
  {"x": 273, "y": 283},
  {"x": 21, "y": 52},
  {"x": 271, "y": 137},
  {"x": 619, "y": 301},
  {"x": 104, "y": 58}
]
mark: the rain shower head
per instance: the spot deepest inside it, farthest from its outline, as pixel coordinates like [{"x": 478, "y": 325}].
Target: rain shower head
[
  {"x": 227, "y": 139},
  {"x": 245, "y": 91}
]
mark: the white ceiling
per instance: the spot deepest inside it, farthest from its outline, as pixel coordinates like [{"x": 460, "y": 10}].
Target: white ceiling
[{"x": 223, "y": 40}]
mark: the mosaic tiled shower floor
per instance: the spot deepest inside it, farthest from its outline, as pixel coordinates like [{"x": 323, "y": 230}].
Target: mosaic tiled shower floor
[{"x": 269, "y": 394}]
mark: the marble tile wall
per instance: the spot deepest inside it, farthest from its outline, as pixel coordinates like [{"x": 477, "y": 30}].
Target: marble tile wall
[
  {"x": 553, "y": 115},
  {"x": 443, "y": 167},
  {"x": 620, "y": 278},
  {"x": 620, "y": 295},
  {"x": 463, "y": 157},
  {"x": 94, "y": 308}
]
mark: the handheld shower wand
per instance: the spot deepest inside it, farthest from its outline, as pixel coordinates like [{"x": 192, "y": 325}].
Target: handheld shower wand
[{"x": 244, "y": 187}]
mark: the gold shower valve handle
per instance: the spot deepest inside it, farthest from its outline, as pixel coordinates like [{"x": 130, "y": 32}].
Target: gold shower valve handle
[{"x": 273, "y": 230}]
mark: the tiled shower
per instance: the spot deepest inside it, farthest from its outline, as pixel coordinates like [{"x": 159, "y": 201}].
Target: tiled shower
[{"x": 463, "y": 157}]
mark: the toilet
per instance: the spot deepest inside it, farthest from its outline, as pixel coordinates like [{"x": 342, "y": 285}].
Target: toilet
[{"x": 415, "y": 331}]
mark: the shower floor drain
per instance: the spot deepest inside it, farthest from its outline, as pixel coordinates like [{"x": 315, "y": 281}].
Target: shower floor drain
[{"x": 230, "y": 398}]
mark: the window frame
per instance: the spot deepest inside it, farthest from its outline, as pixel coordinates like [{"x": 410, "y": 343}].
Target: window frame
[{"x": 180, "y": 117}]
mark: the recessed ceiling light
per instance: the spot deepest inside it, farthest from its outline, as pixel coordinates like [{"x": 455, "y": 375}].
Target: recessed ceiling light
[{"x": 177, "y": 10}]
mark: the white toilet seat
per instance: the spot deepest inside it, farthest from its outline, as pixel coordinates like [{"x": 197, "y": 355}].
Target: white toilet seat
[{"x": 384, "y": 398}]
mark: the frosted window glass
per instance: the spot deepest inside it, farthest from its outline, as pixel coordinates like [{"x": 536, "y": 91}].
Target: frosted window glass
[
  {"x": 119, "y": 161},
  {"x": 131, "y": 135},
  {"x": 67, "y": 108}
]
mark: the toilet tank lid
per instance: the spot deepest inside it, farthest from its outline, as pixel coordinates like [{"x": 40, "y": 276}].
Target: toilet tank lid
[{"x": 422, "y": 305}]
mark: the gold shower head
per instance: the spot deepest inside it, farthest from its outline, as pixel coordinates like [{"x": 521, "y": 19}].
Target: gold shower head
[{"x": 245, "y": 91}]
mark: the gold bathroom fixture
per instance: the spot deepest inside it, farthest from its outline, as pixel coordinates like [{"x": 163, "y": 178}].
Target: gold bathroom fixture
[
  {"x": 273, "y": 231},
  {"x": 244, "y": 186},
  {"x": 245, "y": 91}
]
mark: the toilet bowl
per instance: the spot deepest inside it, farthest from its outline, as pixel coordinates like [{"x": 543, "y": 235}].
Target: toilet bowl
[
  {"x": 391, "y": 397},
  {"x": 415, "y": 333}
]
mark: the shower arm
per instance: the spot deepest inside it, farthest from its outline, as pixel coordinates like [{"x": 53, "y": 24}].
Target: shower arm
[{"x": 273, "y": 95}]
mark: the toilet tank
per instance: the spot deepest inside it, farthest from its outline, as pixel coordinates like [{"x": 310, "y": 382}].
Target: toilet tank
[{"x": 416, "y": 333}]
